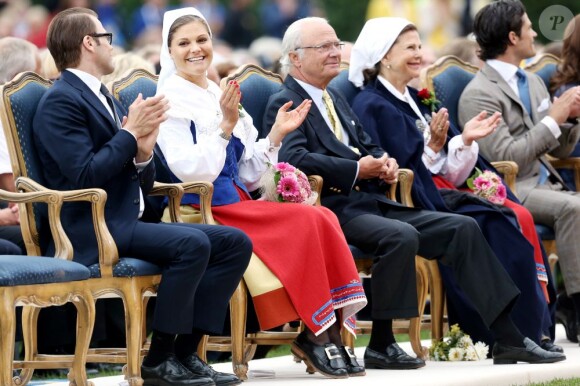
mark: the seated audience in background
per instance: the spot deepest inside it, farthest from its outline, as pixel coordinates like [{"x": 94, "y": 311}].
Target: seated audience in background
[
  {"x": 386, "y": 56},
  {"x": 531, "y": 127},
  {"x": 331, "y": 143},
  {"x": 85, "y": 139},
  {"x": 48, "y": 68},
  {"x": 464, "y": 48},
  {"x": 568, "y": 73},
  {"x": 125, "y": 62},
  {"x": 207, "y": 137}
]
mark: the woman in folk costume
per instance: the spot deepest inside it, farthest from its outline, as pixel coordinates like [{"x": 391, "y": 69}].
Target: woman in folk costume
[
  {"x": 207, "y": 137},
  {"x": 385, "y": 57}
]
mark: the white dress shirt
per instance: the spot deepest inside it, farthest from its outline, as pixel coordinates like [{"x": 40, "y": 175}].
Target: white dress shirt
[
  {"x": 456, "y": 166},
  {"x": 205, "y": 158},
  {"x": 94, "y": 85}
]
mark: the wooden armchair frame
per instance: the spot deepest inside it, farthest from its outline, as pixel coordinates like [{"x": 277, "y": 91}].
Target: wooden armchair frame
[{"x": 135, "y": 290}]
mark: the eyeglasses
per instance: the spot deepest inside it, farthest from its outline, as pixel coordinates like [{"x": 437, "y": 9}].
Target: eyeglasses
[
  {"x": 108, "y": 35},
  {"x": 324, "y": 47}
]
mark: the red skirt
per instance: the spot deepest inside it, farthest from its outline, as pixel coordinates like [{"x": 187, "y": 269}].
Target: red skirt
[{"x": 305, "y": 248}]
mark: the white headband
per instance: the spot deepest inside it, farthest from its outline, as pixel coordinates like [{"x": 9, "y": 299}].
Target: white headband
[
  {"x": 374, "y": 41},
  {"x": 167, "y": 65}
]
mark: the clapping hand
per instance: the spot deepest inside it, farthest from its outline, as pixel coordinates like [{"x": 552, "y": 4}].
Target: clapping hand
[
  {"x": 480, "y": 126},
  {"x": 438, "y": 126},
  {"x": 229, "y": 104},
  {"x": 288, "y": 121}
]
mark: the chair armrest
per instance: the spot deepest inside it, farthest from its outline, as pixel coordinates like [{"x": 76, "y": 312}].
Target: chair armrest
[
  {"x": 176, "y": 191},
  {"x": 404, "y": 184},
  {"x": 316, "y": 186},
  {"x": 572, "y": 163},
  {"x": 108, "y": 253},
  {"x": 509, "y": 171}
]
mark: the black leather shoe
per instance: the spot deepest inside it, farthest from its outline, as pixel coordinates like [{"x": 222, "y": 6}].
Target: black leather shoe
[
  {"x": 566, "y": 315},
  {"x": 324, "y": 359},
  {"x": 353, "y": 368},
  {"x": 531, "y": 353},
  {"x": 202, "y": 369},
  {"x": 549, "y": 346},
  {"x": 393, "y": 358},
  {"x": 171, "y": 372}
]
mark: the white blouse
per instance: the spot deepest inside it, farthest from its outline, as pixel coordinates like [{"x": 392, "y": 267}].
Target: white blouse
[
  {"x": 456, "y": 166},
  {"x": 204, "y": 159}
]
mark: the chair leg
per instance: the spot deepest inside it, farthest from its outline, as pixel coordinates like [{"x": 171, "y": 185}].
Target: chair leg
[
  {"x": 85, "y": 306},
  {"x": 347, "y": 338},
  {"x": 437, "y": 300},
  {"x": 238, "y": 311},
  {"x": 30, "y": 337},
  {"x": 133, "y": 302},
  {"x": 7, "y": 336},
  {"x": 415, "y": 323}
]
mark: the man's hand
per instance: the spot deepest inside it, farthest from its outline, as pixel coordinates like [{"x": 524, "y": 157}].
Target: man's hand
[
  {"x": 392, "y": 174},
  {"x": 288, "y": 121},
  {"x": 9, "y": 216},
  {"x": 480, "y": 126},
  {"x": 145, "y": 146},
  {"x": 567, "y": 106},
  {"x": 370, "y": 167},
  {"x": 145, "y": 115}
]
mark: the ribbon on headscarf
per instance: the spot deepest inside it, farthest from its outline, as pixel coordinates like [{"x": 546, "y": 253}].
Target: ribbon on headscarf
[
  {"x": 167, "y": 65},
  {"x": 374, "y": 41}
]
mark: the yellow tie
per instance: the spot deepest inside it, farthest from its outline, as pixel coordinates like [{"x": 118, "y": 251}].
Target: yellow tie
[{"x": 332, "y": 116}]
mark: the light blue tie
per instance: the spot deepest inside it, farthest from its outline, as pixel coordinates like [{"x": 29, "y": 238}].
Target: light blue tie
[{"x": 524, "y": 91}]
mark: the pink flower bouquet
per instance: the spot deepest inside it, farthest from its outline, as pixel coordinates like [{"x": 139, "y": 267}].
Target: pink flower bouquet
[
  {"x": 284, "y": 183},
  {"x": 488, "y": 185}
]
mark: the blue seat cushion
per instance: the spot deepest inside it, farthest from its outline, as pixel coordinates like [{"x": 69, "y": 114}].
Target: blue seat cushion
[
  {"x": 128, "y": 267},
  {"x": 545, "y": 232},
  {"x": 26, "y": 270}
]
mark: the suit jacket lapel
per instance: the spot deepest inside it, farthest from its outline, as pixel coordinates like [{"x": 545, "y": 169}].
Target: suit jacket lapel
[
  {"x": 495, "y": 77},
  {"x": 323, "y": 132},
  {"x": 90, "y": 97}
]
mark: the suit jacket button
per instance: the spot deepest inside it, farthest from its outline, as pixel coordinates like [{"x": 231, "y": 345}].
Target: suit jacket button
[
  {"x": 339, "y": 191},
  {"x": 136, "y": 201},
  {"x": 357, "y": 188}
]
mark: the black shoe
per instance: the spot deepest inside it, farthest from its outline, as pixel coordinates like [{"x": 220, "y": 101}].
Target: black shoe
[
  {"x": 393, "y": 358},
  {"x": 324, "y": 359},
  {"x": 567, "y": 317},
  {"x": 549, "y": 346},
  {"x": 202, "y": 369},
  {"x": 171, "y": 372},
  {"x": 353, "y": 368},
  {"x": 531, "y": 353}
]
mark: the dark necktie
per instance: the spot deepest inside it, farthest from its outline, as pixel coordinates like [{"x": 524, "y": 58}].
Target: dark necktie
[
  {"x": 524, "y": 90},
  {"x": 109, "y": 99}
]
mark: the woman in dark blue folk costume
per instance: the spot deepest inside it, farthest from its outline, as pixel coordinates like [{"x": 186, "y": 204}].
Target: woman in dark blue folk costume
[{"x": 385, "y": 57}]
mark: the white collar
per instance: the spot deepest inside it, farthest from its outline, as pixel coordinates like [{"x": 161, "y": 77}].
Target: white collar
[
  {"x": 405, "y": 97},
  {"x": 91, "y": 81},
  {"x": 314, "y": 92},
  {"x": 506, "y": 70}
]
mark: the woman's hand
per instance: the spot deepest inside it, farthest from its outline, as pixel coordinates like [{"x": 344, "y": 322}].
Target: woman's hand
[
  {"x": 229, "y": 103},
  {"x": 438, "y": 126},
  {"x": 479, "y": 127},
  {"x": 288, "y": 121}
]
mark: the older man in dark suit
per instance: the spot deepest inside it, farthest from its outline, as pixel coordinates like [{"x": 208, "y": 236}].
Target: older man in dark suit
[
  {"x": 356, "y": 174},
  {"x": 83, "y": 143},
  {"x": 531, "y": 128}
]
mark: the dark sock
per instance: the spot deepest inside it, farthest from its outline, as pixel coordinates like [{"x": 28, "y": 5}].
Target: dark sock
[
  {"x": 576, "y": 300},
  {"x": 506, "y": 332},
  {"x": 186, "y": 344},
  {"x": 381, "y": 335},
  {"x": 162, "y": 346}
]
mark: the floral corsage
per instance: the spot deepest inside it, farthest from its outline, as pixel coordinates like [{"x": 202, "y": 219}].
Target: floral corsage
[
  {"x": 487, "y": 185},
  {"x": 285, "y": 183},
  {"x": 457, "y": 346},
  {"x": 241, "y": 111},
  {"x": 428, "y": 99}
]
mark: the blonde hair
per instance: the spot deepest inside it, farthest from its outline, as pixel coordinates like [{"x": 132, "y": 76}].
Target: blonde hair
[{"x": 126, "y": 62}]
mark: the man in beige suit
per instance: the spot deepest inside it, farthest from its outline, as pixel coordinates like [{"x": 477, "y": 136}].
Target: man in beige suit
[{"x": 531, "y": 127}]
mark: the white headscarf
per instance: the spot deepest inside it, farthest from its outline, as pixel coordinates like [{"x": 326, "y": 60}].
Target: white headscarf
[
  {"x": 167, "y": 65},
  {"x": 375, "y": 40}
]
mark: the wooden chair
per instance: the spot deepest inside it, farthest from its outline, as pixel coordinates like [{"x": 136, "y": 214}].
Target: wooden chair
[
  {"x": 131, "y": 279},
  {"x": 37, "y": 282}
]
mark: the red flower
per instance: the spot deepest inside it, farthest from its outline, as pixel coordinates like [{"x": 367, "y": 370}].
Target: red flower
[
  {"x": 424, "y": 94},
  {"x": 428, "y": 99}
]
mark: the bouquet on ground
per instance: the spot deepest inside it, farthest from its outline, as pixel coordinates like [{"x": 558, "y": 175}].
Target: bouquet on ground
[
  {"x": 488, "y": 185},
  {"x": 285, "y": 183},
  {"x": 457, "y": 346}
]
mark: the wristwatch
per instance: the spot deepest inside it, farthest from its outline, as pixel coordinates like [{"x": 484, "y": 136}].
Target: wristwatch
[{"x": 225, "y": 136}]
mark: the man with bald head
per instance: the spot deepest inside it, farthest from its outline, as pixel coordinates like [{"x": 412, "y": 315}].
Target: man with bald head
[{"x": 332, "y": 143}]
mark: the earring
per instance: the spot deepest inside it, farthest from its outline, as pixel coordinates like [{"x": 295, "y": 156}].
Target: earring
[{"x": 388, "y": 66}]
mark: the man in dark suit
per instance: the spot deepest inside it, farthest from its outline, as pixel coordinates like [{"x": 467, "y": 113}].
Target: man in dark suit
[
  {"x": 356, "y": 174},
  {"x": 531, "y": 127},
  {"x": 83, "y": 143}
]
